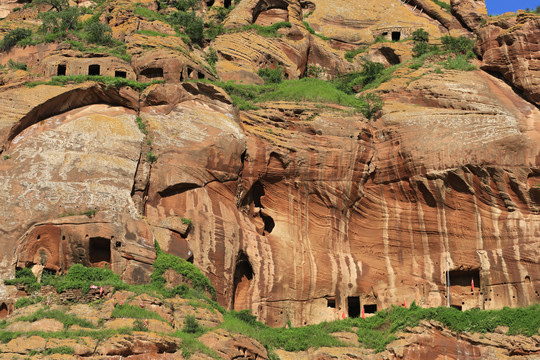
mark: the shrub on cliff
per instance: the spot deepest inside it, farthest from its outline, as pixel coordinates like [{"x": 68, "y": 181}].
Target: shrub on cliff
[
  {"x": 271, "y": 76},
  {"x": 97, "y": 32},
  {"x": 457, "y": 45},
  {"x": 13, "y": 37}
]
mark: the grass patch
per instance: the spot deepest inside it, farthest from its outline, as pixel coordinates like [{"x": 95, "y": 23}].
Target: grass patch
[
  {"x": 458, "y": 62},
  {"x": 108, "y": 81},
  {"x": 27, "y": 301},
  {"x": 191, "y": 345},
  {"x": 313, "y": 32},
  {"x": 134, "y": 312},
  {"x": 66, "y": 319},
  {"x": 151, "y": 33},
  {"x": 267, "y": 31},
  {"x": 6, "y": 336},
  {"x": 444, "y": 5}
]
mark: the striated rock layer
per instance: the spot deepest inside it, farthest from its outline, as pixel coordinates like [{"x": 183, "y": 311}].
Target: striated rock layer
[{"x": 299, "y": 212}]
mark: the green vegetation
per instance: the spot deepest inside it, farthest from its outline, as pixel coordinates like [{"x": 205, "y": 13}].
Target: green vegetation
[
  {"x": 26, "y": 278},
  {"x": 13, "y": 37},
  {"x": 134, "y": 312},
  {"x": 151, "y": 157},
  {"x": 311, "y": 31},
  {"x": 192, "y": 326},
  {"x": 444, "y": 5},
  {"x": 89, "y": 213},
  {"x": 535, "y": 11},
  {"x": 211, "y": 57},
  {"x": 141, "y": 125},
  {"x": 16, "y": 65},
  {"x": 271, "y": 76},
  {"x": 458, "y": 62},
  {"x": 27, "y": 301},
  {"x": 186, "y": 221},
  {"x": 351, "y": 54},
  {"x": 66, "y": 319},
  {"x": 352, "y": 82},
  {"x": 166, "y": 261},
  {"x": 267, "y": 31},
  {"x": 191, "y": 345},
  {"x": 457, "y": 45},
  {"x": 108, "y": 81},
  {"x": 7, "y": 157}
]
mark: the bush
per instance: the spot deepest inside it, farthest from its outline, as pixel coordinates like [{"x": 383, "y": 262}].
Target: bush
[
  {"x": 348, "y": 83},
  {"x": 373, "y": 104},
  {"x": 151, "y": 157},
  {"x": 141, "y": 125},
  {"x": 25, "y": 277},
  {"x": 166, "y": 261},
  {"x": 460, "y": 45},
  {"x": 211, "y": 57},
  {"x": 191, "y": 326},
  {"x": 459, "y": 62},
  {"x": 192, "y": 24},
  {"x": 16, "y": 65},
  {"x": 27, "y": 301},
  {"x": 59, "y": 22},
  {"x": 420, "y": 35},
  {"x": 184, "y": 5},
  {"x": 13, "y": 37},
  {"x": 98, "y": 32},
  {"x": 268, "y": 31},
  {"x": 351, "y": 54},
  {"x": 213, "y": 30},
  {"x": 134, "y": 312},
  {"x": 271, "y": 76}
]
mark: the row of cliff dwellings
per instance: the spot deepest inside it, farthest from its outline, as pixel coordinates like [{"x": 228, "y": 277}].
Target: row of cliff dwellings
[{"x": 64, "y": 68}]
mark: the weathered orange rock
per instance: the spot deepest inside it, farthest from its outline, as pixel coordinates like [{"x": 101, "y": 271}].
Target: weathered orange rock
[
  {"x": 137, "y": 343},
  {"x": 506, "y": 47},
  {"x": 471, "y": 13},
  {"x": 233, "y": 346}
]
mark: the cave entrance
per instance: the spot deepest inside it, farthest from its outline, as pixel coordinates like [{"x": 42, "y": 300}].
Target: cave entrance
[
  {"x": 61, "y": 70},
  {"x": 94, "y": 69},
  {"x": 243, "y": 276},
  {"x": 151, "y": 73},
  {"x": 3, "y": 310},
  {"x": 227, "y": 4},
  {"x": 99, "y": 250},
  {"x": 120, "y": 74},
  {"x": 254, "y": 196},
  {"x": 370, "y": 308},
  {"x": 331, "y": 302},
  {"x": 353, "y": 304},
  {"x": 457, "y": 307},
  {"x": 200, "y": 76},
  {"x": 210, "y": 3},
  {"x": 396, "y": 35},
  {"x": 465, "y": 278}
]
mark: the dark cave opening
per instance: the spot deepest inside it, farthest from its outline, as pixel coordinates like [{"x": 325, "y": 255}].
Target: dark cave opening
[
  {"x": 152, "y": 73},
  {"x": 370, "y": 308},
  {"x": 99, "y": 250},
  {"x": 465, "y": 278},
  {"x": 396, "y": 35},
  {"x": 61, "y": 70},
  {"x": 243, "y": 275},
  {"x": 353, "y": 305},
  {"x": 94, "y": 69}
]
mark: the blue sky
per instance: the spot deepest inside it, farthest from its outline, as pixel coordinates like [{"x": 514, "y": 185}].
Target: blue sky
[{"x": 496, "y": 7}]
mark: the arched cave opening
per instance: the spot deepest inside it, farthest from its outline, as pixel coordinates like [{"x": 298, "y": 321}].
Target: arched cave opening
[
  {"x": 269, "y": 223},
  {"x": 353, "y": 306},
  {"x": 200, "y": 76},
  {"x": 274, "y": 8},
  {"x": 396, "y": 35},
  {"x": 99, "y": 250},
  {"x": 390, "y": 55},
  {"x": 151, "y": 73},
  {"x": 243, "y": 276},
  {"x": 61, "y": 70},
  {"x": 94, "y": 69},
  {"x": 4, "y": 310}
]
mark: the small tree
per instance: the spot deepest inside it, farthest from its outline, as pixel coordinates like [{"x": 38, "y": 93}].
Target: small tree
[
  {"x": 13, "y": 37},
  {"x": 420, "y": 35},
  {"x": 191, "y": 325},
  {"x": 98, "y": 32},
  {"x": 271, "y": 76}
]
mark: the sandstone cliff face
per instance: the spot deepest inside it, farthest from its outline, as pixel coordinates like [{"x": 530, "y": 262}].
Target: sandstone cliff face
[
  {"x": 509, "y": 47},
  {"x": 299, "y": 212}
]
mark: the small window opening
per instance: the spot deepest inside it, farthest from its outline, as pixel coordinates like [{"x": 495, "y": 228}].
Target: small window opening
[
  {"x": 200, "y": 76},
  {"x": 118, "y": 244},
  {"x": 120, "y": 74},
  {"x": 353, "y": 303},
  {"x": 61, "y": 70},
  {"x": 527, "y": 279},
  {"x": 227, "y": 3},
  {"x": 331, "y": 303},
  {"x": 3, "y": 311},
  {"x": 152, "y": 73},
  {"x": 93, "y": 69},
  {"x": 370, "y": 308},
  {"x": 396, "y": 35},
  {"x": 100, "y": 250},
  {"x": 384, "y": 34},
  {"x": 457, "y": 307},
  {"x": 465, "y": 278}
]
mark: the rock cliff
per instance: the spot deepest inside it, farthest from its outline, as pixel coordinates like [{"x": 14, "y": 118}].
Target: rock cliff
[{"x": 298, "y": 211}]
